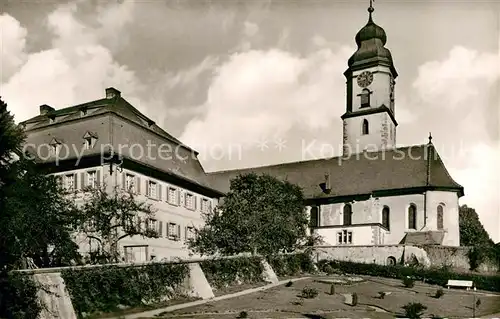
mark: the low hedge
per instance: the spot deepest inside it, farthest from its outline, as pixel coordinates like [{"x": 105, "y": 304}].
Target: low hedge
[
  {"x": 291, "y": 265},
  {"x": 103, "y": 289},
  {"x": 18, "y": 296},
  {"x": 437, "y": 276},
  {"x": 226, "y": 272}
]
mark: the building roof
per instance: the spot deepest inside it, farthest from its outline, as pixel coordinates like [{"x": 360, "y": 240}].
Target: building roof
[
  {"x": 117, "y": 105},
  {"x": 371, "y": 40},
  {"x": 423, "y": 238},
  {"x": 69, "y": 125},
  {"x": 418, "y": 166}
]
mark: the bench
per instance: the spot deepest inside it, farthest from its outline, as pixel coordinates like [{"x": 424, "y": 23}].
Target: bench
[{"x": 460, "y": 283}]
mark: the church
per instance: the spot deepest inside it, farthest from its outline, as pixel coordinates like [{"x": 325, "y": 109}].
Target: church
[{"x": 374, "y": 194}]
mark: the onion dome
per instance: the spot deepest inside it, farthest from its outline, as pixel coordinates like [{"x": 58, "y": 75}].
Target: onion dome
[{"x": 371, "y": 40}]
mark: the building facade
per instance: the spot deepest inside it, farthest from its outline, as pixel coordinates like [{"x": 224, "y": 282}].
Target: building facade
[
  {"x": 374, "y": 194},
  {"x": 109, "y": 143}
]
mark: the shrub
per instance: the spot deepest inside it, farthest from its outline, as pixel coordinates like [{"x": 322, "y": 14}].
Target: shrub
[
  {"x": 381, "y": 294},
  {"x": 439, "y": 293},
  {"x": 225, "y": 272},
  {"x": 105, "y": 288},
  {"x": 289, "y": 284},
  {"x": 328, "y": 270},
  {"x": 354, "y": 299},
  {"x": 332, "y": 289},
  {"x": 433, "y": 276},
  {"x": 309, "y": 293},
  {"x": 18, "y": 296},
  {"x": 476, "y": 257},
  {"x": 408, "y": 282},
  {"x": 414, "y": 310},
  {"x": 291, "y": 265},
  {"x": 243, "y": 314}
]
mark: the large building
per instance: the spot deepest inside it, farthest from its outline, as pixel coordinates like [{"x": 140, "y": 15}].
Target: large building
[
  {"x": 374, "y": 194},
  {"x": 109, "y": 142}
]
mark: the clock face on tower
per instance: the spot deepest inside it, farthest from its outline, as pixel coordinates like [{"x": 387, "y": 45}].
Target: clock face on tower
[{"x": 365, "y": 79}]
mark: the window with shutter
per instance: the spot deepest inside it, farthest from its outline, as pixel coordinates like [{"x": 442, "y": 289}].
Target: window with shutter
[
  {"x": 190, "y": 233},
  {"x": 190, "y": 201},
  {"x": 151, "y": 190},
  {"x": 92, "y": 179},
  {"x": 172, "y": 231},
  {"x": 69, "y": 182},
  {"x": 172, "y": 196},
  {"x": 205, "y": 205},
  {"x": 130, "y": 182}
]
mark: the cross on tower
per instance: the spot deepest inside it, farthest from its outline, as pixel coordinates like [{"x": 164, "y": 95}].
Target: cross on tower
[{"x": 370, "y": 9}]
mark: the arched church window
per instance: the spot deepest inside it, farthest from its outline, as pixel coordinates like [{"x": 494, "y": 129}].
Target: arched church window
[
  {"x": 347, "y": 215},
  {"x": 440, "y": 217},
  {"x": 386, "y": 217},
  {"x": 366, "y": 127},
  {"x": 314, "y": 222},
  {"x": 412, "y": 217},
  {"x": 365, "y": 98}
]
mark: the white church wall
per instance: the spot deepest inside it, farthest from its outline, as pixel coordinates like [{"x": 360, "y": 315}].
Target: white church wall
[
  {"x": 359, "y": 235},
  {"x": 449, "y": 200},
  {"x": 369, "y": 212}
]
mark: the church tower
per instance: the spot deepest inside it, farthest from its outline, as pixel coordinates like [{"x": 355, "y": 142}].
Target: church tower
[{"x": 369, "y": 122}]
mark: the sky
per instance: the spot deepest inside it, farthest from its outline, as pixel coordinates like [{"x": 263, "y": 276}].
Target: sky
[{"x": 260, "y": 82}]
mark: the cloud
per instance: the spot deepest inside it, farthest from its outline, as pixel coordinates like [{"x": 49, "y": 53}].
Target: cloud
[
  {"x": 482, "y": 176},
  {"x": 459, "y": 78},
  {"x": 262, "y": 94},
  {"x": 12, "y": 44},
  {"x": 75, "y": 69},
  {"x": 463, "y": 83}
]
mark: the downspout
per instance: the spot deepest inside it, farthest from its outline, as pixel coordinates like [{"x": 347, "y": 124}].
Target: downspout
[{"x": 430, "y": 154}]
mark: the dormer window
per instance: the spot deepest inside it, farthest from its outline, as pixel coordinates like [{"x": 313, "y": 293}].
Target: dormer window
[
  {"x": 52, "y": 119},
  {"x": 89, "y": 140},
  {"x": 55, "y": 147},
  {"x": 365, "y": 98}
]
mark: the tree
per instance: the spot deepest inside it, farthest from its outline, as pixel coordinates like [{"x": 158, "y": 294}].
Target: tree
[
  {"x": 472, "y": 232},
  {"x": 34, "y": 222},
  {"x": 260, "y": 214},
  {"x": 37, "y": 220},
  {"x": 106, "y": 217},
  {"x": 11, "y": 139}
]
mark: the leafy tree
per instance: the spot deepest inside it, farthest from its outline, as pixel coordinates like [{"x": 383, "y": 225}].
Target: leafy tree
[
  {"x": 37, "y": 220},
  {"x": 108, "y": 216},
  {"x": 34, "y": 222},
  {"x": 11, "y": 139},
  {"x": 472, "y": 232},
  {"x": 260, "y": 214}
]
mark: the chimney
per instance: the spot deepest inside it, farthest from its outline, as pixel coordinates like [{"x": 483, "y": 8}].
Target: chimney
[
  {"x": 44, "y": 109},
  {"x": 112, "y": 93}
]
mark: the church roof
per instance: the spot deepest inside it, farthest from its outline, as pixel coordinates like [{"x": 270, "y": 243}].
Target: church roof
[
  {"x": 418, "y": 166},
  {"x": 423, "y": 238}
]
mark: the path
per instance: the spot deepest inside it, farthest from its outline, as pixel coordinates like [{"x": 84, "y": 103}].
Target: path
[{"x": 155, "y": 312}]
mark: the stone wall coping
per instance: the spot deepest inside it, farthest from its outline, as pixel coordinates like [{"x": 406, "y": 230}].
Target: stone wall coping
[
  {"x": 164, "y": 262},
  {"x": 361, "y": 246}
]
